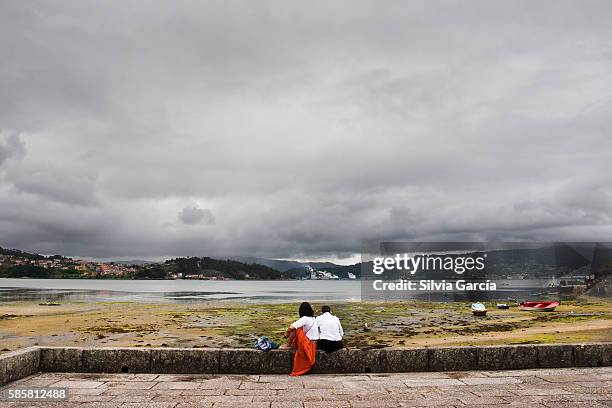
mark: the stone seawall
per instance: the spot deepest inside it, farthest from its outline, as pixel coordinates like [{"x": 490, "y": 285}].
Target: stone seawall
[
  {"x": 25, "y": 362},
  {"x": 19, "y": 364}
]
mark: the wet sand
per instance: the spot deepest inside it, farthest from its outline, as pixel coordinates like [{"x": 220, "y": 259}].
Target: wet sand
[{"x": 222, "y": 324}]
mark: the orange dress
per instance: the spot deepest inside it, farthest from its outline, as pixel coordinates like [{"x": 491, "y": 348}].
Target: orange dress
[{"x": 305, "y": 353}]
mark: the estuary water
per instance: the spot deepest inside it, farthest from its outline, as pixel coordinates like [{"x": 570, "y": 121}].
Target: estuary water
[
  {"x": 191, "y": 291},
  {"x": 179, "y": 291}
]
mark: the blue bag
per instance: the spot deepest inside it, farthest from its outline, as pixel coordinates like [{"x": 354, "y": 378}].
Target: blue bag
[{"x": 264, "y": 343}]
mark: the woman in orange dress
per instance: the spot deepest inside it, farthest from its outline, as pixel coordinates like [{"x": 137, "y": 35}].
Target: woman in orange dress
[{"x": 302, "y": 336}]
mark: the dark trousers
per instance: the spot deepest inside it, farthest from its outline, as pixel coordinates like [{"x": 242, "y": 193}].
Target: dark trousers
[{"x": 329, "y": 346}]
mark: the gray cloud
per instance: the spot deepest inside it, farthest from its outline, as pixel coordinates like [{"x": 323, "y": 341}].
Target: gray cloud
[
  {"x": 11, "y": 146},
  {"x": 196, "y": 215},
  {"x": 305, "y": 129}
]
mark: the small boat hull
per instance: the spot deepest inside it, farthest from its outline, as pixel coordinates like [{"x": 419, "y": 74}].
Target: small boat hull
[
  {"x": 539, "y": 306},
  {"x": 503, "y": 306},
  {"x": 479, "y": 309}
]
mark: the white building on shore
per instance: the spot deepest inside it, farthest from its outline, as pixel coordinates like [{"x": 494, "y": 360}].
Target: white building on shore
[{"x": 321, "y": 275}]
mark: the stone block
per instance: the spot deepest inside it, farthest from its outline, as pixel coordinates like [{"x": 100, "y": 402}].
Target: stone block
[
  {"x": 335, "y": 362},
  {"x": 240, "y": 361},
  {"x": 19, "y": 364},
  {"x": 403, "y": 360},
  {"x": 349, "y": 361},
  {"x": 116, "y": 360},
  {"x": 507, "y": 357},
  {"x": 184, "y": 361},
  {"x": 61, "y": 359},
  {"x": 607, "y": 354},
  {"x": 452, "y": 359},
  {"x": 593, "y": 355},
  {"x": 555, "y": 355},
  {"x": 276, "y": 362},
  {"x": 3, "y": 372}
]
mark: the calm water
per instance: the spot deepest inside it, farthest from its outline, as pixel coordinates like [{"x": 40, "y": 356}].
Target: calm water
[
  {"x": 186, "y": 291},
  {"x": 153, "y": 291}
]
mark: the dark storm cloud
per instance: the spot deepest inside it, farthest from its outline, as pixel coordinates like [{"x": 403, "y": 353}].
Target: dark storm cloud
[{"x": 301, "y": 130}]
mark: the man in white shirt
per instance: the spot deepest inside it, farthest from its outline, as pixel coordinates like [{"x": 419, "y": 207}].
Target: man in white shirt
[{"x": 330, "y": 331}]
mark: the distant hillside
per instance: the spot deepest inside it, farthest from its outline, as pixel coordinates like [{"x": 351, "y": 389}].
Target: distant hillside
[
  {"x": 341, "y": 271},
  {"x": 545, "y": 262},
  {"x": 138, "y": 262},
  {"x": 15, "y": 263},
  {"x": 283, "y": 265},
  {"x": 27, "y": 255},
  {"x": 209, "y": 267},
  {"x": 602, "y": 262},
  {"x": 554, "y": 255}
]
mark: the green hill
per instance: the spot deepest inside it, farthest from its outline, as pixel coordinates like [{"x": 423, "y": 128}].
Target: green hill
[{"x": 209, "y": 267}]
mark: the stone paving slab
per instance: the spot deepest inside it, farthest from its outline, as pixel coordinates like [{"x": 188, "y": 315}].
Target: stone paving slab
[{"x": 546, "y": 388}]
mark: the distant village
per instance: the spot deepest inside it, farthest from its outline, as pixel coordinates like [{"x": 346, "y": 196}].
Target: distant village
[
  {"x": 89, "y": 269},
  {"x": 85, "y": 268}
]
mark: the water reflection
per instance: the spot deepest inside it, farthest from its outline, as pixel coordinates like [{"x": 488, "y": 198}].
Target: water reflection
[{"x": 89, "y": 295}]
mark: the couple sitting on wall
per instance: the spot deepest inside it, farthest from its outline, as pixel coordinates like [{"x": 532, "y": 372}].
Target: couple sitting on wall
[{"x": 307, "y": 333}]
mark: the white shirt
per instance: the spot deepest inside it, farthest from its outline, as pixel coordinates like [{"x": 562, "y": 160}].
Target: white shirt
[
  {"x": 329, "y": 327},
  {"x": 309, "y": 325}
]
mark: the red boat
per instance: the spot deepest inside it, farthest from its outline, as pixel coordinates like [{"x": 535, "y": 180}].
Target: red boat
[{"x": 539, "y": 306}]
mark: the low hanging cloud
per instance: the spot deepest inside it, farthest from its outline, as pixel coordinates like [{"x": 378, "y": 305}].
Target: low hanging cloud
[
  {"x": 196, "y": 215},
  {"x": 301, "y": 130}
]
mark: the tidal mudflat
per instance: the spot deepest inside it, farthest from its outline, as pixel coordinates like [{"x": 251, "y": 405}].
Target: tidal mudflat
[{"x": 224, "y": 324}]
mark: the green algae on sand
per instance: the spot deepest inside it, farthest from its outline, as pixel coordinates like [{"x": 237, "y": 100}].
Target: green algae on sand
[{"x": 366, "y": 324}]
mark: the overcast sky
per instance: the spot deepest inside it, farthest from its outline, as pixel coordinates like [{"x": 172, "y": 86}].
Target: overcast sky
[{"x": 285, "y": 129}]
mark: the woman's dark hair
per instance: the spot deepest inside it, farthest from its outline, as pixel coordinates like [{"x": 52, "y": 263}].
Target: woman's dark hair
[{"x": 306, "y": 310}]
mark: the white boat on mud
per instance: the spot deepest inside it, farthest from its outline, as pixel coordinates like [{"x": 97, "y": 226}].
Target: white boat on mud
[{"x": 479, "y": 309}]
